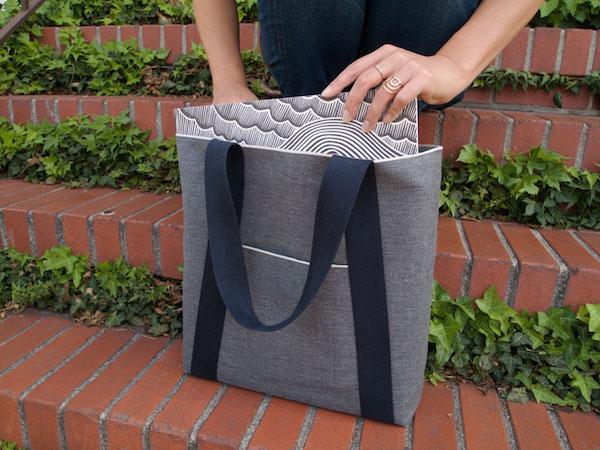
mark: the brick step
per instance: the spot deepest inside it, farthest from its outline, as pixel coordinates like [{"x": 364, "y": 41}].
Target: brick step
[
  {"x": 574, "y": 52},
  {"x": 63, "y": 385},
  {"x": 575, "y": 136},
  {"x": 531, "y": 268}
]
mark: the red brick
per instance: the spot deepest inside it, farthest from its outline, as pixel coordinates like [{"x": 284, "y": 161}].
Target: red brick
[
  {"x": 44, "y": 109},
  {"x": 379, "y": 435},
  {"x": 14, "y": 383},
  {"x": 451, "y": 260},
  {"x": 108, "y": 33},
  {"x": 173, "y": 41},
  {"x": 116, "y": 105},
  {"x": 29, "y": 191},
  {"x": 167, "y": 116},
  {"x": 583, "y": 430},
  {"x": 576, "y": 51},
  {"x": 88, "y": 33},
  {"x": 478, "y": 95},
  {"x": 75, "y": 221},
  {"x": 200, "y": 101},
  {"x": 138, "y": 231},
  {"x": 532, "y": 426},
  {"x": 434, "y": 421},
  {"x": 129, "y": 32},
  {"x": 145, "y": 114},
  {"x": 44, "y": 217},
  {"x": 528, "y": 131},
  {"x": 530, "y": 97},
  {"x": 126, "y": 420},
  {"x": 491, "y": 132},
  {"x": 192, "y": 36},
  {"x": 591, "y": 152},
  {"x": 538, "y": 270},
  {"x": 49, "y": 36},
  {"x": 171, "y": 245},
  {"x": 491, "y": 262},
  {"x": 92, "y": 106},
  {"x": 82, "y": 413},
  {"x": 591, "y": 238},
  {"x": 15, "y": 323},
  {"x": 545, "y": 49},
  {"x": 106, "y": 226},
  {"x": 12, "y": 186},
  {"x": 514, "y": 55},
  {"x": 172, "y": 426},
  {"x": 67, "y": 107},
  {"x": 228, "y": 423},
  {"x": 482, "y": 418},
  {"x": 580, "y": 100},
  {"x": 4, "y": 107},
  {"x": 246, "y": 36},
  {"x": 15, "y": 217},
  {"x": 584, "y": 270},
  {"x": 22, "y": 108},
  {"x": 330, "y": 430},
  {"x": 42, "y": 404},
  {"x": 151, "y": 36},
  {"x": 457, "y": 131},
  {"x": 427, "y": 126},
  {"x": 565, "y": 135},
  {"x": 280, "y": 426},
  {"x": 28, "y": 340}
]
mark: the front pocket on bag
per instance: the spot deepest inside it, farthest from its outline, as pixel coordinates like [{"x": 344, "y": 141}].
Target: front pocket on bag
[{"x": 316, "y": 352}]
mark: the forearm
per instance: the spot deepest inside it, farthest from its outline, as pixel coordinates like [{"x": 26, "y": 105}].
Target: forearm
[
  {"x": 217, "y": 23},
  {"x": 493, "y": 25}
]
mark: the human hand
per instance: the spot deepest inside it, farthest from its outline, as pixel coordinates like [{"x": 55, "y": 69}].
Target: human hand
[
  {"x": 233, "y": 95},
  {"x": 435, "y": 79}
]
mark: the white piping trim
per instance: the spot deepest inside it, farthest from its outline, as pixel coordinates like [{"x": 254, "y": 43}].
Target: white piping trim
[{"x": 289, "y": 258}]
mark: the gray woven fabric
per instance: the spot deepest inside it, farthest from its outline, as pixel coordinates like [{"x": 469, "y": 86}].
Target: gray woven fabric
[{"x": 313, "y": 360}]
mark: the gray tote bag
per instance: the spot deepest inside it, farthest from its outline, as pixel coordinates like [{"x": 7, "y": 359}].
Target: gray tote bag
[{"x": 309, "y": 249}]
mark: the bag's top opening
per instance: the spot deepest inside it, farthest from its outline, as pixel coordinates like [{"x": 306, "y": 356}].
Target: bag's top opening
[{"x": 309, "y": 124}]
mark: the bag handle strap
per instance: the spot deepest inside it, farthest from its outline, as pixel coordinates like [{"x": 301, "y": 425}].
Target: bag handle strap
[{"x": 340, "y": 187}]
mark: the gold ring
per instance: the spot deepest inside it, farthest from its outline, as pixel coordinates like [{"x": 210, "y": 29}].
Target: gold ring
[
  {"x": 380, "y": 70},
  {"x": 393, "y": 85}
]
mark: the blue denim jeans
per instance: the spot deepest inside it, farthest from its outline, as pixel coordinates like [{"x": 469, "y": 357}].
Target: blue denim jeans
[{"x": 307, "y": 43}]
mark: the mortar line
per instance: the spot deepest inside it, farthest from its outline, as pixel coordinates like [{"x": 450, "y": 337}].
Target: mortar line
[
  {"x": 34, "y": 115},
  {"x": 90, "y": 227},
  {"x": 260, "y": 412},
  {"x": 212, "y": 404},
  {"x": 62, "y": 435},
  {"x": 50, "y": 373},
  {"x": 3, "y": 231},
  {"x": 11, "y": 111},
  {"x": 458, "y": 419},
  {"x": 583, "y": 137},
  {"x": 515, "y": 270},
  {"x": 20, "y": 332},
  {"x": 357, "y": 434},
  {"x": 31, "y": 233},
  {"x": 35, "y": 350},
  {"x": 184, "y": 48},
  {"x": 585, "y": 245},
  {"x": 468, "y": 270},
  {"x": 562, "y": 279},
  {"x": 474, "y": 124},
  {"x": 123, "y": 231},
  {"x": 591, "y": 53},
  {"x": 510, "y": 131},
  {"x": 560, "y": 50},
  {"x": 439, "y": 128},
  {"x": 508, "y": 424},
  {"x": 123, "y": 392},
  {"x": 559, "y": 431},
  {"x": 156, "y": 247},
  {"x": 306, "y": 428},
  {"x": 409, "y": 435},
  {"x": 529, "y": 49},
  {"x": 150, "y": 420},
  {"x": 547, "y": 132}
]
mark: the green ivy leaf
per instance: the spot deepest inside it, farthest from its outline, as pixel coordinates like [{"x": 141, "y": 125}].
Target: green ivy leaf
[{"x": 585, "y": 384}]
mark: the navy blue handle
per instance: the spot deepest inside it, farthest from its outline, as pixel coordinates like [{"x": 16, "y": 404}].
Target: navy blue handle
[{"x": 339, "y": 190}]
